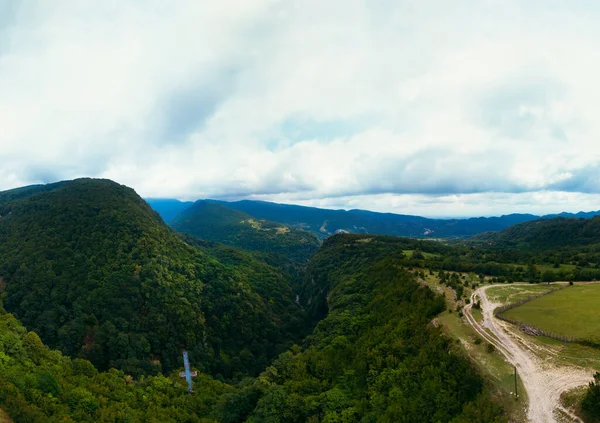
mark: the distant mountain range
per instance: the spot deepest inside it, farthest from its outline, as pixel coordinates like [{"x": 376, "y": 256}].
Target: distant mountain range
[{"x": 325, "y": 222}]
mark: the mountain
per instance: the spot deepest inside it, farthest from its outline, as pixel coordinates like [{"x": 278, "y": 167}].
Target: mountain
[
  {"x": 324, "y": 222},
  {"x": 90, "y": 267},
  {"x": 581, "y": 215},
  {"x": 215, "y": 222},
  {"x": 547, "y": 233},
  {"x": 167, "y": 208},
  {"x": 374, "y": 356}
]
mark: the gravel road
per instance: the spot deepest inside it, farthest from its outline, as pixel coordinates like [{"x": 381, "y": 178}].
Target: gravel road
[{"x": 543, "y": 382}]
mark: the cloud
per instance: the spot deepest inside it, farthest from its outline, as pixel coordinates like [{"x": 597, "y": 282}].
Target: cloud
[{"x": 352, "y": 103}]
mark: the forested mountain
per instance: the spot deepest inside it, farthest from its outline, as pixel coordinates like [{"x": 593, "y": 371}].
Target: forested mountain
[
  {"x": 90, "y": 267},
  {"x": 167, "y": 208},
  {"x": 373, "y": 357},
  {"x": 546, "y": 233},
  {"x": 215, "y": 222}
]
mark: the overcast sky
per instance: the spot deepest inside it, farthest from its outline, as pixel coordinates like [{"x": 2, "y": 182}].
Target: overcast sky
[{"x": 437, "y": 108}]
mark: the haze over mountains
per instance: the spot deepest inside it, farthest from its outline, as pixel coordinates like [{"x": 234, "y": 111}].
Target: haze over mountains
[{"x": 325, "y": 222}]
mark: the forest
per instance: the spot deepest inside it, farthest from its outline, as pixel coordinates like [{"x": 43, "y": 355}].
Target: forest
[
  {"x": 374, "y": 357},
  {"x": 100, "y": 297},
  {"x": 214, "y": 222}
]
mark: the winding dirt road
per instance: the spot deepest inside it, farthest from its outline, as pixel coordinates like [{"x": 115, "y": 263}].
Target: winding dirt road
[{"x": 543, "y": 382}]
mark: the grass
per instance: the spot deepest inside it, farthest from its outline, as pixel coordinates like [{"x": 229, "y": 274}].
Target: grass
[
  {"x": 570, "y": 312},
  {"x": 572, "y": 399},
  {"x": 492, "y": 365},
  {"x": 514, "y": 293}
]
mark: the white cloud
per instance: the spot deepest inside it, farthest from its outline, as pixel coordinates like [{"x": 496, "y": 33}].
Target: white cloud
[{"x": 392, "y": 105}]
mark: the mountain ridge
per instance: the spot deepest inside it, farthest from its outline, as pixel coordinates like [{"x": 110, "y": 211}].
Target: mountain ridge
[
  {"x": 215, "y": 222},
  {"x": 325, "y": 222},
  {"x": 95, "y": 271}
]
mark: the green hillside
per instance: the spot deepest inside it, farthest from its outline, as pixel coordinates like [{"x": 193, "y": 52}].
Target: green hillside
[
  {"x": 374, "y": 357},
  {"x": 214, "y": 222},
  {"x": 97, "y": 274},
  {"x": 41, "y": 385},
  {"x": 544, "y": 234}
]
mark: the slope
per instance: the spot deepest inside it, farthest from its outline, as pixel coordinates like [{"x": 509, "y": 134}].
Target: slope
[
  {"x": 215, "y": 222},
  {"x": 375, "y": 356},
  {"x": 547, "y": 234},
  {"x": 90, "y": 267},
  {"x": 41, "y": 385}
]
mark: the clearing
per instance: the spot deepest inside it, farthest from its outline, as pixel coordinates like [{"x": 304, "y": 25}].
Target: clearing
[{"x": 570, "y": 312}]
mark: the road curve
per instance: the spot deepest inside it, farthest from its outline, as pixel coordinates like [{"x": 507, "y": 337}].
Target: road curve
[{"x": 544, "y": 383}]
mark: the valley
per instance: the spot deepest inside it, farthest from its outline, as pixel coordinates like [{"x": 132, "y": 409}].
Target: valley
[{"x": 99, "y": 297}]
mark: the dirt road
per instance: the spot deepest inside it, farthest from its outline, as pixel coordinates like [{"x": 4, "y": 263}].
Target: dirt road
[{"x": 543, "y": 382}]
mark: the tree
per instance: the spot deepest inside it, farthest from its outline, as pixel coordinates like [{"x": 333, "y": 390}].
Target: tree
[{"x": 591, "y": 402}]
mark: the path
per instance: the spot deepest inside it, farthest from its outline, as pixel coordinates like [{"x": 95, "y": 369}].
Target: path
[{"x": 543, "y": 382}]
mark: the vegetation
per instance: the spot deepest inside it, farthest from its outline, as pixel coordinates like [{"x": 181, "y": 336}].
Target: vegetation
[
  {"x": 39, "y": 384},
  {"x": 95, "y": 272},
  {"x": 571, "y": 312},
  {"x": 591, "y": 402},
  {"x": 375, "y": 351},
  {"x": 373, "y": 357},
  {"x": 214, "y": 222}
]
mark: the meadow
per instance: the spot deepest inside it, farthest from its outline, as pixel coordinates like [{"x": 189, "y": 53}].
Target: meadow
[
  {"x": 572, "y": 312},
  {"x": 514, "y": 293}
]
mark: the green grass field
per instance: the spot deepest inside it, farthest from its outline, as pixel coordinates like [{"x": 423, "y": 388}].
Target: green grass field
[
  {"x": 573, "y": 312},
  {"x": 513, "y": 293}
]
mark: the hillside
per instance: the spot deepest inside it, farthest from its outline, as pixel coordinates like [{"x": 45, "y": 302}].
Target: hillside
[
  {"x": 547, "y": 234},
  {"x": 38, "y": 384},
  {"x": 373, "y": 357},
  {"x": 96, "y": 273},
  {"x": 214, "y": 222}
]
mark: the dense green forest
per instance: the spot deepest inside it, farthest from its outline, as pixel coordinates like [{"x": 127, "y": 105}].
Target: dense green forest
[
  {"x": 343, "y": 337},
  {"x": 214, "y": 222},
  {"x": 571, "y": 246},
  {"x": 374, "y": 356},
  {"x": 42, "y": 385},
  {"x": 97, "y": 274}
]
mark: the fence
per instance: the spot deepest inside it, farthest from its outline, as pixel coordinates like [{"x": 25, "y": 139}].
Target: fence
[{"x": 532, "y": 330}]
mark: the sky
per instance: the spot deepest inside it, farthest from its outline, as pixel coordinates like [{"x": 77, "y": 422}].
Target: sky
[{"x": 428, "y": 107}]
